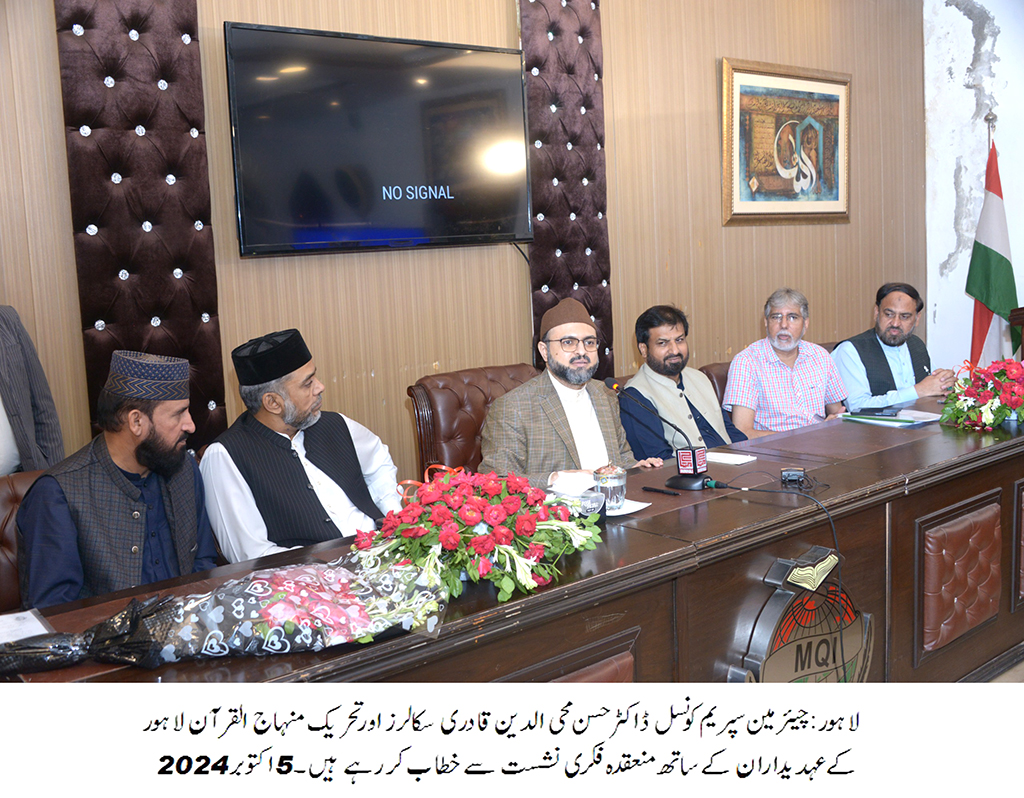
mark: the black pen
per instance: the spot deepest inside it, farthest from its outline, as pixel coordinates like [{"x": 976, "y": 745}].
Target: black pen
[{"x": 659, "y": 490}]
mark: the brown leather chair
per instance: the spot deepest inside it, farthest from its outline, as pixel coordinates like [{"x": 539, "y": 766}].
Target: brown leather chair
[
  {"x": 718, "y": 373},
  {"x": 450, "y": 409},
  {"x": 12, "y": 488}
]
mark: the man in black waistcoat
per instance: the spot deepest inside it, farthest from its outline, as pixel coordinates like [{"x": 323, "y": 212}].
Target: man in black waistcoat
[
  {"x": 888, "y": 364},
  {"x": 128, "y": 508},
  {"x": 286, "y": 473}
]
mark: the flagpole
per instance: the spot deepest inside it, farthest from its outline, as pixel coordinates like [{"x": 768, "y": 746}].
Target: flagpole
[{"x": 990, "y": 120}]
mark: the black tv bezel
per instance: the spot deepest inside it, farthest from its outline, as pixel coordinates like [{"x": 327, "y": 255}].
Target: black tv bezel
[{"x": 268, "y": 250}]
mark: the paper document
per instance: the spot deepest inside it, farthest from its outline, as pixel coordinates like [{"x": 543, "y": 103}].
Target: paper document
[{"x": 725, "y": 458}]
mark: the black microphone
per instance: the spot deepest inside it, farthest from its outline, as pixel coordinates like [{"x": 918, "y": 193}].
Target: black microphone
[{"x": 691, "y": 461}]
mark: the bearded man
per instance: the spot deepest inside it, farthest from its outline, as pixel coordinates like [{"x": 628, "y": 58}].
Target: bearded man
[
  {"x": 782, "y": 382},
  {"x": 666, "y": 386},
  {"x": 888, "y": 364},
  {"x": 286, "y": 473},
  {"x": 128, "y": 508},
  {"x": 560, "y": 421}
]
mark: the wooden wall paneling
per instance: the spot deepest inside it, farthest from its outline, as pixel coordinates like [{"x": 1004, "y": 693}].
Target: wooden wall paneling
[
  {"x": 375, "y": 321},
  {"x": 37, "y": 263},
  {"x": 396, "y": 315}
]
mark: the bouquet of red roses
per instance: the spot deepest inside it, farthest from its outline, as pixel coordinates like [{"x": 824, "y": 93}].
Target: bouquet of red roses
[
  {"x": 487, "y": 527},
  {"x": 983, "y": 398}
]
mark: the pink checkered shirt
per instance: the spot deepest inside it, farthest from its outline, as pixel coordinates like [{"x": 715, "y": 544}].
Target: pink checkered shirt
[{"x": 783, "y": 398}]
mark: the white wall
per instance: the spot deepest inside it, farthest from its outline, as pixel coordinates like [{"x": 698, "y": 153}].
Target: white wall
[{"x": 974, "y": 62}]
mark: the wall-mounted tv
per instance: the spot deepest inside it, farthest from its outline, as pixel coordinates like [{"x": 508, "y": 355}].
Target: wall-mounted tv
[{"x": 346, "y": 142}]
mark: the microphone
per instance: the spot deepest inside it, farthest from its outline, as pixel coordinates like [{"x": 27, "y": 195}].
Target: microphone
[{"x": 691, "y": 461}]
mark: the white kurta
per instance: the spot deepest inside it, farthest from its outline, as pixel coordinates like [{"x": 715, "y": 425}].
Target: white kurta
[{"x": 236, "y": 519}]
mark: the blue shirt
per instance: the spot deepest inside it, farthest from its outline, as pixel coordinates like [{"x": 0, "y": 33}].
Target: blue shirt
[
  {"x": 646, "y": 434},
  {"x": 855, "y": 376},
  {"x": 56, "y": 571}
]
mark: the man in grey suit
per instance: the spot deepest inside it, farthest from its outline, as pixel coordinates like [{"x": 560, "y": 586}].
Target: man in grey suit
[
  {"x": 560, "y": 421},
  {"x": 30, "y": 436}
]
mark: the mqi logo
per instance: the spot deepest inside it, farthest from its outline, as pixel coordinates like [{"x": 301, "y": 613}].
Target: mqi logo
[{"x": 809, "y": 629}]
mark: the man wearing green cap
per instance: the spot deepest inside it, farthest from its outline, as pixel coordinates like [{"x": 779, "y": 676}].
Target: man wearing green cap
[{"x": 129, "y": 507}]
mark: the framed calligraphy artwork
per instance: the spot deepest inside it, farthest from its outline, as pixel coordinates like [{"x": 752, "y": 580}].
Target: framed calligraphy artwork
[{"x": 785, "y": 144}]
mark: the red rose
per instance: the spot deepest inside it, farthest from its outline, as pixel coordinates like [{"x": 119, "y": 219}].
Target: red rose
[
  {"x": 1014, "y": 401},
  {"x": 561, "y": 512},
  {"x": 985, "y": 397},
  {"x": 541, "y": 580},
  {"x": 542, "y": 513},
  {"x": 502, "y": 535},
  {"x": 449, "y": 536},
  {"x": 512, "y": 504},
  {"x": 535, "y": 496},
  {"x": 414, "y": 532},
  {"x": 454, "y": 499},
  {"x": 364, "y": 539},
  {"x": 428, "y": 493},
  {"x": 495, "y": 514},
  {"x": 526, "y": 525},
  {"x": 516, "y": 484},
  {"x": 483, "y": 566},
  {"x": 492, "y": 487},
  {"x": 470, "y": 515},
  {"x": 410, "y": 513},
  {"x": 534, "y": 552},
  {"x": 439, "y": 514},
  {"x": 482, "y": 544},
  {"x": 1014, "y": 370},
  {"x": 390, "y": 524}
]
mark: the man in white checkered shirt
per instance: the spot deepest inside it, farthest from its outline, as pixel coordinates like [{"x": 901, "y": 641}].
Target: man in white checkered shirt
[{"x": 782, "y": 382}]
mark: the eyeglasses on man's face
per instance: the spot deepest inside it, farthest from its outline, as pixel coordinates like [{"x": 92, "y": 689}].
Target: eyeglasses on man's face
[
  {"x": 791, "y": 318},
  {"x": 571, "y": 344}
]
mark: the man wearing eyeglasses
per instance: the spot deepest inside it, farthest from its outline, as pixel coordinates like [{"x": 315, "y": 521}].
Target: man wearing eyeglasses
[
  {"x": 782, "y": 382},
  {"x": 888, "y": 364},
  {"x": 560, "y": 421}
]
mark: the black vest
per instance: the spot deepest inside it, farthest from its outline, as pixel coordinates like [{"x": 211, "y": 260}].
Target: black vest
[
  {"x": 879, "y": 374},
  {"x": 284, "y": 496}
]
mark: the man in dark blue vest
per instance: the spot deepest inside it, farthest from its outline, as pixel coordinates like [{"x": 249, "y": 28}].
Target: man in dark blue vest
[
  {"x": 888, "y": 364},
  {"x": 287, "y": 473},
  {"x": 128, "y": 508}
]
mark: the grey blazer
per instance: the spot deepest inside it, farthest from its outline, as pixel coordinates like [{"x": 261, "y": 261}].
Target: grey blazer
[
  {"x": 527, "y": 433},
  {"x": 26, "y": 396}
]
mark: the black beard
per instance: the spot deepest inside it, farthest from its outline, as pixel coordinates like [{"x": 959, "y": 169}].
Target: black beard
[
  {"x": 659, "y": 367},
  {"x": 165, "y": 461},
  {"x": 577, "y": 376},
  {"x": 899, "y": 340}
]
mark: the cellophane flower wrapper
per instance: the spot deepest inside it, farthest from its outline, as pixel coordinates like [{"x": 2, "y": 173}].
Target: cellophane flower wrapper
[{"x": 283, "y": 610}]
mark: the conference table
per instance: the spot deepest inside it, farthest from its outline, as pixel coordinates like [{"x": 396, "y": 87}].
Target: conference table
[{"x": 696, "y": 586}]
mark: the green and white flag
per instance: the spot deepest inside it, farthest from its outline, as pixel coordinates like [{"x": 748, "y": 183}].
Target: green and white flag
[{"x": 990, "y": 277}]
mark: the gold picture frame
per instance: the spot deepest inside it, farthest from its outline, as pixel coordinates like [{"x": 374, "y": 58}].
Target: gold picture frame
[{"x": 785, "y": 145}]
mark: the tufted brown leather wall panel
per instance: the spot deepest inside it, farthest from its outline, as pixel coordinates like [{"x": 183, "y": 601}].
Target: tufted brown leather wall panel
[
  {"x": 565, "y": 105},
  {"x": 450, "y": 410},
  {"x": 961, "y": 574},
  {"x": 140, "y": 195},
  {"x": 13, "y": 488}
]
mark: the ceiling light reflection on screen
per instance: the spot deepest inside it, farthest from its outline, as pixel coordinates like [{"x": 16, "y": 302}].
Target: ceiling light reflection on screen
[{"x": 505, "y": 157}]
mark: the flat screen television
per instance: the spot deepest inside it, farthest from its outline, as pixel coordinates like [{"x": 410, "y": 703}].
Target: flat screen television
[{"x": 347, "y": 142}]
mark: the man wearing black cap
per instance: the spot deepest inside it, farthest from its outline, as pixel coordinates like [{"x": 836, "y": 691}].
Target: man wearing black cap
[
  {"x": 559, "y": 421},
  {"x": 129, "y": 507},
  {"x": 286, "y": 473}
]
